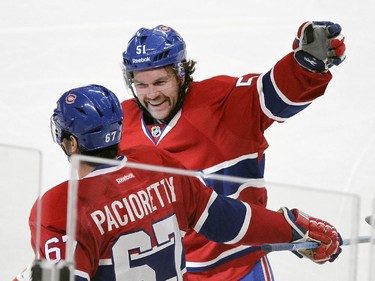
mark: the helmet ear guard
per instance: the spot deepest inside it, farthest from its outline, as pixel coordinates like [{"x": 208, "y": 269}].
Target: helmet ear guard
[
  {"x": 180, "y": 70},
  {"x": 128, "y": 77}
]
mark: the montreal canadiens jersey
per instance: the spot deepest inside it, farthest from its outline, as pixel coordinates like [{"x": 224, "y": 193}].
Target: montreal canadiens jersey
[
  {"x": 131, "y": 222},
  {"x": 220, "y": 129}
]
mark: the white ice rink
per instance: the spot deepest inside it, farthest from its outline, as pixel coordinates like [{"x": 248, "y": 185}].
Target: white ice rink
[{"x": 48, "y": 47}]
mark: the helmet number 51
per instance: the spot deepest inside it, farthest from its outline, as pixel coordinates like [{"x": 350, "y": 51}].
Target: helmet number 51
[{"x": 141, "y": 49}]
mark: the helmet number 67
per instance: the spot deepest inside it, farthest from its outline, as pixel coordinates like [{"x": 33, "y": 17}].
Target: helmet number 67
[{"x": 110, "y": 136}]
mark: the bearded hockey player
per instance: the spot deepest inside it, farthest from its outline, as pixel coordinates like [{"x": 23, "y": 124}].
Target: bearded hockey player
[{"x": 217, "y": 125}]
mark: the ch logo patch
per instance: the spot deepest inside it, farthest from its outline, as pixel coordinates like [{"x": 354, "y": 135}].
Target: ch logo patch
[
  {"x": 70, "y": 98},
  {"x": 156, "y": 131}
]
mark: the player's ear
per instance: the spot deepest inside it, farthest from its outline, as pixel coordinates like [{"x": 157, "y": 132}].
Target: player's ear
[
  {"x": 74, "y": 149},
  {"x": 70, "y": 145}
]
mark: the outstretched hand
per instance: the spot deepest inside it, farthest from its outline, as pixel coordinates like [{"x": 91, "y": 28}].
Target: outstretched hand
[
  {"x": 319, "y": 45},
  {"x": 306, "y": 228}
]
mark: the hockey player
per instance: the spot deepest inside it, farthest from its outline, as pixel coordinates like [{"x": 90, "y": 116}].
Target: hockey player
[
  {"x": 131, "y": 222},
  {"x": 217, "y": 125}
]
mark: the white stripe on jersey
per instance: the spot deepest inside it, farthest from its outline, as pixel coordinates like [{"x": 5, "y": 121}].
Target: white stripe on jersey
[
  {"x": 218, "y": 258},
  {"x": 260, "y": 183},
  {"x": 265, "y": 110},
  {"x": 229, "y": 163},
  {"x": 81, "y": 274},
  {"x": 105, "y": 262},
  {"x": 244, "y": 227},
  {"x": 204, "y": 214}
]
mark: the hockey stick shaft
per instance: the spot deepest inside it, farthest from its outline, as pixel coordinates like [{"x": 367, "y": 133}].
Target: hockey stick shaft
[{"x": 268, "y": 248}]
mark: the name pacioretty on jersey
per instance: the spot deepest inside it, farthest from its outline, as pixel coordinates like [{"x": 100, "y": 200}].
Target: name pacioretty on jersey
[{"x": 134, "y": 206}]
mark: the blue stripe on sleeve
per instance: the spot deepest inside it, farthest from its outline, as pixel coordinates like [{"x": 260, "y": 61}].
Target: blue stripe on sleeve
[
  {"x": 247, "y": 168},
  {"x": 217, "y": 227},
  {"x": 273, "y": 101}
]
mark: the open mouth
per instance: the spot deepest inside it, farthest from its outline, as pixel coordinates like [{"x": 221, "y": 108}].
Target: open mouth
[{"x": 156, "y": 104}]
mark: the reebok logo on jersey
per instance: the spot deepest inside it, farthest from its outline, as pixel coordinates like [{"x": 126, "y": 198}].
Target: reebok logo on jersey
[
  {"x": 141, "y": 60},
  {"x": 124, "y": 178}
]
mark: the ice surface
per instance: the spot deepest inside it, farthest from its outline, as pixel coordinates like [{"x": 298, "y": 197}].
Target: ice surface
[{"x": 48, "y": 47}]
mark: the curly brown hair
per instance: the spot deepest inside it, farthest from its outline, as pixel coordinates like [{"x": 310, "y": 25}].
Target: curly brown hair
[{"x": 189, "y": 67}]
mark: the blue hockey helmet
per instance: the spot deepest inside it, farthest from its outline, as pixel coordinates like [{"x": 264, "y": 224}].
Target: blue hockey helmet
[
  {"x": 92, "y": 114},
  {"x": 154, "y": 48}
]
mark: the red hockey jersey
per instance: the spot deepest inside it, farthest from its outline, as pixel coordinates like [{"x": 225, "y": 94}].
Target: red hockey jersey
[
  {"x": 131, "y": 222},
  {"x": 220, "y": 129}
]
